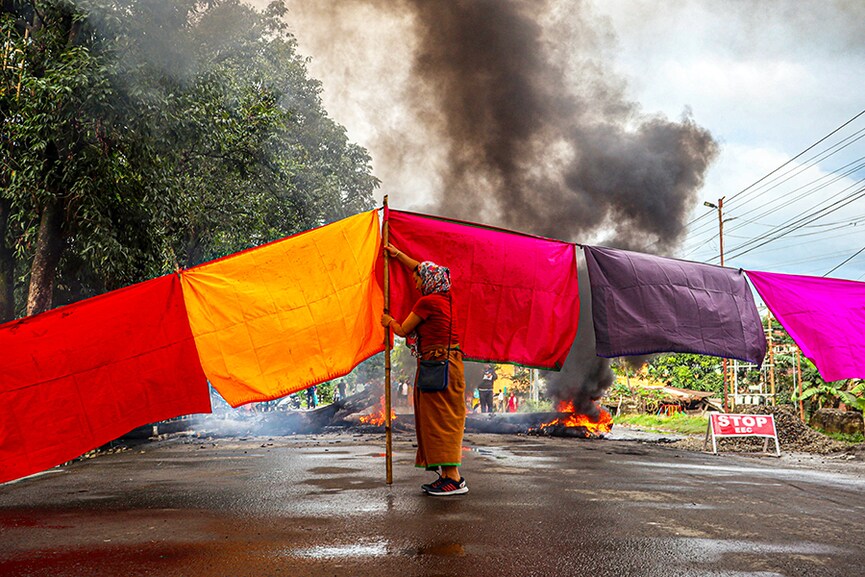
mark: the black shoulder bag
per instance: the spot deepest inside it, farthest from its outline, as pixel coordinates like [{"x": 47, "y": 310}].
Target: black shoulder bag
[{"x": 432, "y": 375}]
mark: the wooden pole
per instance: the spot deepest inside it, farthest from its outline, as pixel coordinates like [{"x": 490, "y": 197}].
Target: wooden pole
[
  {"x": 388, "y": 451},
  {"x": 799, "y": 375},
  {"x": 771, "y": 359}
]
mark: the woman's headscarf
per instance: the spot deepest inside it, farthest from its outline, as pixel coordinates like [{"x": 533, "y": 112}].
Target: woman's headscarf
[{"x": 434, "y": 279}]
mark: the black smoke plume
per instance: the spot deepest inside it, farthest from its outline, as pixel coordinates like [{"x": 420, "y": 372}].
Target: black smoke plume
[{"x": 534, "y": 132}]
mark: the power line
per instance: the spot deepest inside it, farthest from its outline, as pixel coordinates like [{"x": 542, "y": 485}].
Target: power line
[
  {"x": 809, "y": 163},
  {"x": 816, "y": 210},
  {"x": 787, "y": 200},
  {"x": 795, "y": 157},
  {"x": 835, "y": 176},
  {"x": 791, "y": 225},
  {"x": 856, "y": 136},
  {"x": 845, "y": 261}
]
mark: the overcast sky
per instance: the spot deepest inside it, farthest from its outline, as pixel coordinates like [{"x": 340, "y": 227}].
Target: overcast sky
[
  {"x": 767, "y": 79},
  {"x": 768, "y": 83}
]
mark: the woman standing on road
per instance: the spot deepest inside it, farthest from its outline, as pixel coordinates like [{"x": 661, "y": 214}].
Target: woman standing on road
[{"x": 439, "y": 415}]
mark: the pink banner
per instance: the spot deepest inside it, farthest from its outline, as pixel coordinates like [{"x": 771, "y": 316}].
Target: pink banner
[
  {"x": 76, "y": 377},
  {"x": 516, "y": 298},
  {"x": 825, "y": 316}
]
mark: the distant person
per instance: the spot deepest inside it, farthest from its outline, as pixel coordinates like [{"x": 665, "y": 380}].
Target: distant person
[
  {"x": 340, "y": 390},
  {"x": 403, "y": 393},
  {"x": 513, "y": 403},
  {"x": 311, "y": 397},
  {"x": 440, "y": 416},
  {"x": 485, "y": 389}
]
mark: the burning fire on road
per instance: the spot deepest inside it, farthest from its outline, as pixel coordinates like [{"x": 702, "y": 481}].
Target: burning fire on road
[
  {"x": 574, "y": 424},
  {"x": 377, "y": 417}
]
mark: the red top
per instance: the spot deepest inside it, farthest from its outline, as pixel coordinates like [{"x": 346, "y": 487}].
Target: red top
[{"x": 435, "y": 313}]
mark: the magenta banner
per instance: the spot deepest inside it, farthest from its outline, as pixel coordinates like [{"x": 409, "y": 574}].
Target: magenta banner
[
  {"x": 825, "y": 316},
  {"x": 516, "y": 298}
]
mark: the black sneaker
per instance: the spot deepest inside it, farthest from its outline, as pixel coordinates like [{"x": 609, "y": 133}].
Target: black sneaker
[
  {"x": 427, "y": 486},
  {"x": 447, "y": 486}
]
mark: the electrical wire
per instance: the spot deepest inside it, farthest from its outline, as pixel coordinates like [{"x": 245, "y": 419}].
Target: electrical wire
[
  {"x": 792, "y": 224},
  {"x": 756, "y": 186},
  {"x": 845, "y": 261},
  {"x": 752, "y": 185}
]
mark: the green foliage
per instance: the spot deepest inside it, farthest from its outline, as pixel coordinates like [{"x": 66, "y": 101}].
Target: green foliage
[
  {"x": 687, "y": 371},
  {"x": 541, "y": 405},
  {"x": 166, "y": 132},
  {"x": 823, "y": 394},
  {"x": 649, "y": 400},
  {"x": 678, "y": 423},
  {"x": 522, "y": 381},
  {"x": 851, "y": 438}
]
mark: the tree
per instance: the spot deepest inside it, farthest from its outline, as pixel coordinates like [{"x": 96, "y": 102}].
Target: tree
[
  {"x": 149, "y": 135},
  {"x": 687, "y": 371}
]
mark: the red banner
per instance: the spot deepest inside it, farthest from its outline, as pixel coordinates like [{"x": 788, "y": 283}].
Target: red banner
[
  {"x": 516, "y": 298},
  {"x": 742, "y": 425},
  {"x": 76, "y": 377}
]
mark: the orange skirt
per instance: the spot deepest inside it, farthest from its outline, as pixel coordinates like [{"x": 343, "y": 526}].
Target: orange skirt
[{"x": 440, "y": 417}]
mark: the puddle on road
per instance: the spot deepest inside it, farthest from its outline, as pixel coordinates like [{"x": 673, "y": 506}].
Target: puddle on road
[
  {"x": 714, "y": 549},
  {"x": 824, "y": 477},
  {"x": 375, "y": 549},
  {"x": 343, "y": 483},
  {"x": 518, "y": 460}
]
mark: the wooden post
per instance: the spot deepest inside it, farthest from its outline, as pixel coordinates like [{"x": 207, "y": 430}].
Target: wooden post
[
  {"x": 799, "y": 374},
  {"x": 771, "y": 358},
  {"x": 388, "y": 451}
]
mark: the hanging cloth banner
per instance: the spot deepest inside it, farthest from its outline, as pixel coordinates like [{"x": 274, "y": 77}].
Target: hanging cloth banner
[
  {"x": 290, "y": 314},
  {"x": 825, "y": 316},
  {"x": 643, "y": 304},
  {"x": 76, "y": 377},
  {"x": 516, "y": 298}
]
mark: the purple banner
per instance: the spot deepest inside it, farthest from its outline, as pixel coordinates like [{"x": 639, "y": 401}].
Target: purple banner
[{"x": 643, "y": 304}]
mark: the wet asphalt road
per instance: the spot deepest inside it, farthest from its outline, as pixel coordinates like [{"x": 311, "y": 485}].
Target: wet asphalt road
[{"x": 319, "y": 506}]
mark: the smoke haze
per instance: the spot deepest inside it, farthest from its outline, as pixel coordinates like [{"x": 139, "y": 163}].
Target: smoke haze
[{"x": 506, "y": 112}]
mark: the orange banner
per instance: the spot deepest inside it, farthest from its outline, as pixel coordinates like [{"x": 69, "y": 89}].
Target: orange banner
[{"x": 290, "y": 314}]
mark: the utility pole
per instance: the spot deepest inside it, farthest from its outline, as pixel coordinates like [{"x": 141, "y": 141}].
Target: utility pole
[{"x": 720, "y": 208}]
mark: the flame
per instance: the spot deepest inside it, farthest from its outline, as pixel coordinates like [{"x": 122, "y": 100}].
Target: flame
[
  {"x": 378, "y": 418},
  {"x": 603, "y": 424}
]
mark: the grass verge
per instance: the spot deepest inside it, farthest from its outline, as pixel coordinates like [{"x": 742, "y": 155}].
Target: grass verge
[
  {"x": 678, "y": 423},
  {"x": 851, "y": 438}
]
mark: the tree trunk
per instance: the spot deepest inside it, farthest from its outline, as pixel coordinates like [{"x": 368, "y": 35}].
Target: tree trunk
[
  {"x": 49, "y": 245},
  {"x": 7, "y": 268}
]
